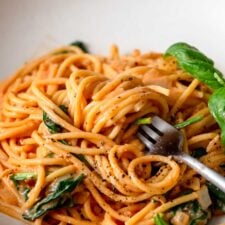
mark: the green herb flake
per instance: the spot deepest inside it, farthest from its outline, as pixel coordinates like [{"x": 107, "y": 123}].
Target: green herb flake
[
  {"x": 64, "y": 142},
  {"x": 23, "y": 176},
  {"x": 52, "y": 126},
  {"x": 25, "y": 193},
  {"x": 198, "y": 152},
  {"x": 216, "y": 192},
  {"x": 80, "y": 45},
  {"x": 64, "y": 108},
  {"x": 189, "y": 122},
  {"x": 142, "y": 121},
  {"x": 159, "y": 220}
]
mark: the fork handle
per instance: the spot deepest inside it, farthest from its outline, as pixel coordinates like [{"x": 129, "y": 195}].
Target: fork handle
[{"x": 209, "y": 174}]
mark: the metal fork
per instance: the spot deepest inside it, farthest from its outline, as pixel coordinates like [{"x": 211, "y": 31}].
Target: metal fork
[{"x": 161, "y": 138}]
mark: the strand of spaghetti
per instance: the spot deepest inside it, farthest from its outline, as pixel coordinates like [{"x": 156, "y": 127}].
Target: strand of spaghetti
[
  {"x": 199, "y": 127},
  {"x": 59, "y": 172},
  {"x": 57, "y": 119},
  {"x": 71, "y": 59},
  {"x": 84, "y": 135},
  {"x": 80, "y": 103},
  {"x": 14, "y": 124},
  {"x": 142, "y": 213},
  {"x": 184, "y": 96},
  {"x": 84, "y": 151},
  {"x": 46, "y": 101},
  {"x": 34, "y": 193},
  {"x": 12, "y": 189},
  {"x": 107, "y": 174},
  {"x": 201, "y": 137},
  {"x": 155, "y": 188},
  {"x": 18, "y": 131},
  {"x": 88, "y": 211},
  {"x": 62, "y": 49},
  {"x": 103, "y": 203},
  {"x": 170, "y": 204},
  {"x": 38, "y": 221},
  {"x": 70, "y": 220},
  {"x": 12, "y": 211},
  {"x": 35, "y": 162},
  {"x": 10, "y": 152},
  {"x": 118, "y": 172},
  {"x": 52, "y": 81},
  {"x": 124, "y": 76}
]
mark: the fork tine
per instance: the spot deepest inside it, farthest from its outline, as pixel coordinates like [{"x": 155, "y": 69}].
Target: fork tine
[
  {"x": 149, "y": 132},
  {"x": 145, "y": 140},
  {"x": 162, "y": 124}
]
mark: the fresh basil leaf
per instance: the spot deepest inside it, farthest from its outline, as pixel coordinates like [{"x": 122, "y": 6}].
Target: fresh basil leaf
[
  {"x": 64, "y": 108},
  {"x": 59, "y": 197},
  {"x": 220, "y": 205},
  {"x": 158, "y": 220},
  {"x": 178, "y": 50},
  {"x": 64, "y": 142},
  {"x": 188, "y": 122},
  {"x": 25, "y": 193},
  {"x": 217, "y": 108},
  {"x": 198, "y": 152},
  {"x": 80, "y": 45},
  {"x": 52, "y": 126},
  {"x": 82, "y": 159},
  {"x": 50, "y": 155},
  {"x": 23, "y": 176},
  {"x": 197, "y": 64},
  {"x": 142, "y": 121},
  {"x": 216, "y": 192}
]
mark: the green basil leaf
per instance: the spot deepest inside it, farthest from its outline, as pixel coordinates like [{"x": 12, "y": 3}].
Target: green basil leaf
[
  {"x": 220, "y": 205},
  {"x": 188, "y": 122},
  {"x": 216, "y": 192},
  {"x": 52, "y": 126},
  {"x": 158, "y": 220},
  {"x": 64, "y": 142},
  {"x": 198, "y": 152},
  {"x": 64, "y": 108},
  {"x": 142, "y": 121},
  {"x": 80, "y": 45},
  {"x": 197, "y": 64},
  {"x": 23, "y": 176},
  {"x": 217, "y": 108},
  {"x": 59, "y": 197},
  {"x": 25, "y": 193}
]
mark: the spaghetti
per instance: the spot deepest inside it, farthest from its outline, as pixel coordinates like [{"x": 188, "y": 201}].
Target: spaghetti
[{"x": 70, "y": 115}]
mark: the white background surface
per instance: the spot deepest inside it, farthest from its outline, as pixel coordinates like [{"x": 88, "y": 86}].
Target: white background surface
[{"x": 29, "y": 27}]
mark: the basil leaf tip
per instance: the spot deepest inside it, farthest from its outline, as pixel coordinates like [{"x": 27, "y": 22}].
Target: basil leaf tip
[
  {"x": 142, "y": 121},
  {"x": 80, "y": 45},
  {"x": 50, "y": 124},
  {"x": 189, "y": 122},
  {"x": 159, "y": 220}
]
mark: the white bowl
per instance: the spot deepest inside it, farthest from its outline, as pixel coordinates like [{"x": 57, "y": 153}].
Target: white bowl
[{"x": 29, "y": 28}]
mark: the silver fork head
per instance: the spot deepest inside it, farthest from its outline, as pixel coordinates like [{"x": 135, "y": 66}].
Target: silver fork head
[{"x": 160, "y": 137}]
